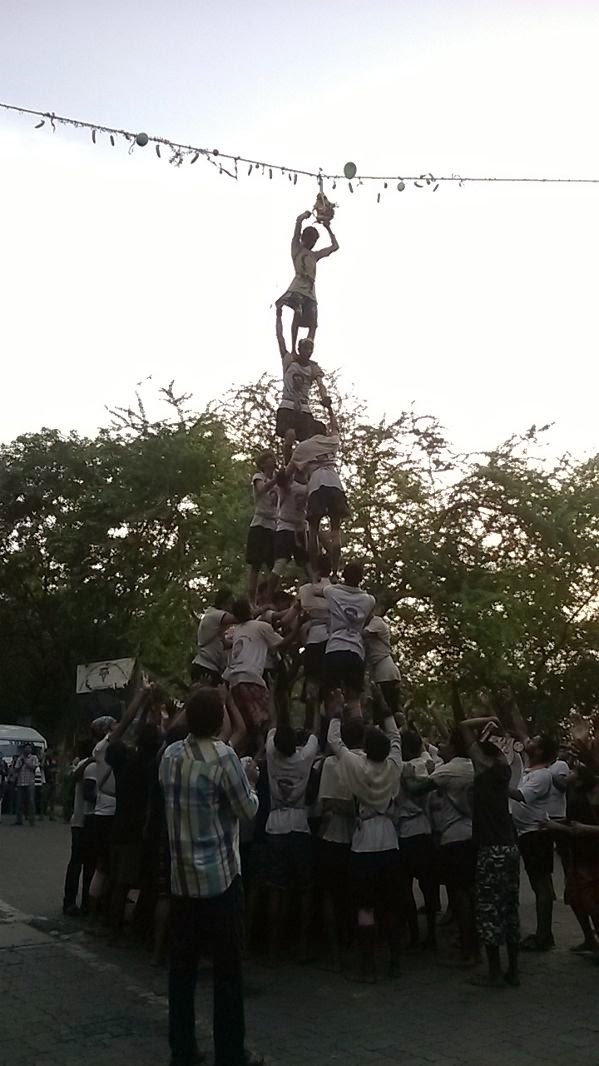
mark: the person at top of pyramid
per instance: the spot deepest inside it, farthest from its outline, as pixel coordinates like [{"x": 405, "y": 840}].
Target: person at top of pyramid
[{"x": 301, "y": 294}]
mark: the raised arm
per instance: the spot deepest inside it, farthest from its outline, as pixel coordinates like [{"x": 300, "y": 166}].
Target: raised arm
[
  {"x": 333, "y": 247},
  {"x": 297, "y": 232},
  {"x": 121, "y": 727}
]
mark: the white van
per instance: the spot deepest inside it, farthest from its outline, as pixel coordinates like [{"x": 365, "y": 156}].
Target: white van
[{"x": 12, "y": 738}]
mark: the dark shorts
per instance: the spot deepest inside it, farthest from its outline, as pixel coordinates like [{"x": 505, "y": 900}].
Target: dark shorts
[
  {"x": 125, "y": 864},
  {"x": 102, "y": 841},
  {"x": 329, "y": 501},
  {"x": 289, "y": 860},
  {"x": 314, "y": 661},
  {"x": 200, "y": 675},
  {"x": 376, "y": 880},
  {"x": 260, "y": 547},
  {"x": 303, "y": 424},
  {"x": 343, "y": 669},
  {"x": 287, "y": 546},
  {"x": 418, "y": 860},
  {"x": 457, "y": 864},
  {"x": 307, "y": 307},
  {"x": 391, "y": 691},
  {"x": 536, "y": 849},
  {"x": 333, "y": 866}
]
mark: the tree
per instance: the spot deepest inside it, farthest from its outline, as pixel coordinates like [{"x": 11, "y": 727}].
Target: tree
[{"x": 109, "y": 545}]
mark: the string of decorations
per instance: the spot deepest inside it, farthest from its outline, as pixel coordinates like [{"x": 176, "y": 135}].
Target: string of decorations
[{"x": 234, "y": 166}]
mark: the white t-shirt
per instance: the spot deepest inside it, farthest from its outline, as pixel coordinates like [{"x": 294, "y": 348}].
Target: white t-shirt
[
  {"x": 316, "y": 629},
  {"x": 291, "y": 514},
  {"x": 535, "y": 786},
  {"x": 211, "y": 649},
  {"x": 297, "y": 382},
  {"x": 378, "y": 651},
  {"x": 265, "y": 503},
  {"x": 451, "y": 806},
  {"x": 106, "y": 794},
  {"x": 251, "y": 642},
  {"x": 350, "y": 608},
  {"x": 335, "y": 827},
  {"x": 80, "y": 808},
  {"x": 374, "y": 830},
  {"x": 410, "y": 815},
  {"x": 288, "y": 779},
  {"x": 318, "y": 457},
  {"x": 560, "y": 773}
]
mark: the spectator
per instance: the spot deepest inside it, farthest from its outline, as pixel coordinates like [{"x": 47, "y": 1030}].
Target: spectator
[
  {"x": 26, "y": 767},
  {"x": 206, "y": 792},
  {"x": 83, "y": 774}
]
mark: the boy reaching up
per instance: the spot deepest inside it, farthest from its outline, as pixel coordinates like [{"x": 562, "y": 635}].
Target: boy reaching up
[
  {"x": 301, "y": 294},
  {"x": 261, "y": 535}
]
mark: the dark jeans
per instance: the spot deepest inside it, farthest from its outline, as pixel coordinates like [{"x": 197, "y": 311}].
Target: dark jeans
[
  {"x": 83, "y": 857},
  {"x": 26, "y": 803},
  {"x": 215, "y": 927}
]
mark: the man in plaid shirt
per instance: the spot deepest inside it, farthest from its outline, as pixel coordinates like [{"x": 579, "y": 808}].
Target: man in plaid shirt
[
  {"x": 25, "y": 766},
  {"x": 206, "y": 792}
]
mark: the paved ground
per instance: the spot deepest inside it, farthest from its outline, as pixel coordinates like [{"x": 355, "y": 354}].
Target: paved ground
[{"x": 66, "y": 999}]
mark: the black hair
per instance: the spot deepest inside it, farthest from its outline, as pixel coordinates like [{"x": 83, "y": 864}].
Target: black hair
[
  {"x": 204, "y": 711},
  {"x": 353, "y": 572},
  {"x": 241, "y": 608},
  {"x": 263, "y": 458},
  {"x": 456, "y": 739},
  {"x": 549, "y": 747},
  {"x": 222, "y": 598},
  {"x": 352, "y": 732},
  {"x": 284, "y": 740},
  {"x": 376, "y": 744}
]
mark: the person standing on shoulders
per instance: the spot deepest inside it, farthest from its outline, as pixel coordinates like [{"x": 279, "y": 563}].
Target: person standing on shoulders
[
  {"x": 206, "y": 793},
  {"x": 210, "y": 659}
]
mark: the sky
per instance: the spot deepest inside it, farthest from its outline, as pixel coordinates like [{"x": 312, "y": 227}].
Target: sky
[{"x": 476, "y": 304}]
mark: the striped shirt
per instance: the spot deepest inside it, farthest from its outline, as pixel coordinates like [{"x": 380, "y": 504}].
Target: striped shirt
[{"x": 206, "y": 792}]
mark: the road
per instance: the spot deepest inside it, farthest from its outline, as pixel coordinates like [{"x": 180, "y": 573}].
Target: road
[{"x": 66, "y": 998}]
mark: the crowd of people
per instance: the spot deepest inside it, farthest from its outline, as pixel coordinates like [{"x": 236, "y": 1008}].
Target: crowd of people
[
  {"x": 28, "y": 785},
  {"x": 295, "y": 783}
]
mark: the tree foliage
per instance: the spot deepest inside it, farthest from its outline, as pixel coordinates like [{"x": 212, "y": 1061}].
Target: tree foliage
[{"x": 108, "y": 545}]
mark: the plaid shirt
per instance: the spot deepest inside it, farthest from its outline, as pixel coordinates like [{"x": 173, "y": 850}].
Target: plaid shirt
[
  {"x": 206, "y": 792},
  {"x": 25, "y": 768}
]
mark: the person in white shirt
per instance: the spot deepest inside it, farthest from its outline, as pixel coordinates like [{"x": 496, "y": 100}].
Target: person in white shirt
[
  {"x": 259, "y": 552},
  {"x": 104, "y": 811},
  {"x": 338, "y": 811},
  {"x": 83, "y": 775},
  {"x": 414, "y": 833},
  {"x": 317, "y": 458},
  {"x": 210, "y": 659},
  {"x": 351, "y": 609},
  {"x": 295, "y": 421},
  {"x": 530, "y": 812},
  {"x": 373, "y": 778},
  {"x": 291, "y": 529},
  {"x": 251, "y": 640},
  {"x": 381, "y": 666},
  {"x": 287, "y": 831},
  {"x": 315, "y": 611},
  {"x": 451, "y": 813}
]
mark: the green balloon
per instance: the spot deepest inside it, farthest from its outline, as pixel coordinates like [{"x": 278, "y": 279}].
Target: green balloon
[{"x": 350, "y": 170}]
